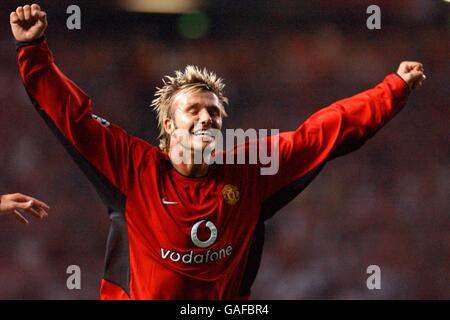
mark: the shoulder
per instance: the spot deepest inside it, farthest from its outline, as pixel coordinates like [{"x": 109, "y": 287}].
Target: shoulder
[{"x": 144, "y": 149}]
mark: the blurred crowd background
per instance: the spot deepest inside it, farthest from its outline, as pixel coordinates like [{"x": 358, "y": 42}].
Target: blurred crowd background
[{"x": 386, "y": 204}]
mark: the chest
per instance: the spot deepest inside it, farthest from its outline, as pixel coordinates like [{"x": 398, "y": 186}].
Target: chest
[
  {"x": 188, "y": 224},
  {"x": 192, "y": 212}
]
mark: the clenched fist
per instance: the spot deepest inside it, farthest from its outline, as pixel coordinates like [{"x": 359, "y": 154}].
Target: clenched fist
[
  {"x": 28, "y": 22},
  {"x": 412, "y": 73}
]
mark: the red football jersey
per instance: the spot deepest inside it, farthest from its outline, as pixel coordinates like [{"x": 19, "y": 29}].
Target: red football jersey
[{"x": 175, "y": 237}]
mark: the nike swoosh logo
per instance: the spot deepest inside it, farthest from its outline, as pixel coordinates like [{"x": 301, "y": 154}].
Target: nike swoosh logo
[{"x": 164, "y": 201}]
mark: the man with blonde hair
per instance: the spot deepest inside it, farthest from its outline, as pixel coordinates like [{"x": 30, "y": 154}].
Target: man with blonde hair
[
  {"x": 189, "y": 230},
  {"x": 191, "y": 80}
]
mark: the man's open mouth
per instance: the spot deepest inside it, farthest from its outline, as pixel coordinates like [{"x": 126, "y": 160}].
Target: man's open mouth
[{"x": 203, "y": 133}]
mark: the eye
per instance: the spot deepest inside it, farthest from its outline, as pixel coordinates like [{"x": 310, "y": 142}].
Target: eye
[
  {"x": 214, "y": 112},
  {"x": 192, "y": 111}
]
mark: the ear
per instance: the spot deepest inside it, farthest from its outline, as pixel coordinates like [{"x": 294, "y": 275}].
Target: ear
[{"x": 169, "y": 125}]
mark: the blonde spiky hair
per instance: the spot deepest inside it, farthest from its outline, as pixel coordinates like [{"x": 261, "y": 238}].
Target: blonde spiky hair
[{"x": 191, "y": 78}]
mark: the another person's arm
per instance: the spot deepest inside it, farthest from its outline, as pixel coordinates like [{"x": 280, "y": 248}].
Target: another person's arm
[{"x": 15, "y": 204}]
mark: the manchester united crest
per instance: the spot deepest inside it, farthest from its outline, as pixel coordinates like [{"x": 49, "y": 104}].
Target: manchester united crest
[{"x": 230, "y": 194}]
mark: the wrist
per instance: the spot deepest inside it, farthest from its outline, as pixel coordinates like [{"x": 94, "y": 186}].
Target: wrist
[
  {"x": 404, "y": 81},
  {"x": 20, "y": 44}
]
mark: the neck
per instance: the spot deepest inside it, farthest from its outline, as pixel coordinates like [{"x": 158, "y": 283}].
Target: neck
[
  {"x": 191, "y": 170},
  {"x": 188, "y": 168}
]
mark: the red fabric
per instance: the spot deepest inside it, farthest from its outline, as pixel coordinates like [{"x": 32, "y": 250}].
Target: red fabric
[
  {"x": 111, "y": 291},
  {"x": 158, "y": 232}
]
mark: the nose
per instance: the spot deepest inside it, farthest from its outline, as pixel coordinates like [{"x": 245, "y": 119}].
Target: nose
[{"x": 205, "y": 118}]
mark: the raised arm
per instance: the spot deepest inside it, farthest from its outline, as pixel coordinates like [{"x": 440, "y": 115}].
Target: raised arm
[
  {"x": 336, "y": 130},
  {"x": 100, "y": 149}
]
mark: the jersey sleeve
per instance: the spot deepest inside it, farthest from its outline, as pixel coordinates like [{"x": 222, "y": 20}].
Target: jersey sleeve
[
  {"x": 101, "y": 149},
  {"x": 334, "y": 131}
]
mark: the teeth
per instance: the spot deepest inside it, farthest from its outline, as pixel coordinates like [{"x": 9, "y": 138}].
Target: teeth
[{"x": 199, "y": 133}]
